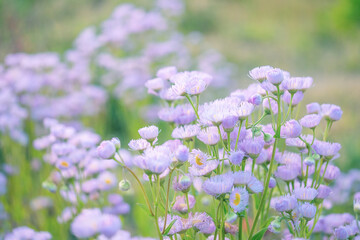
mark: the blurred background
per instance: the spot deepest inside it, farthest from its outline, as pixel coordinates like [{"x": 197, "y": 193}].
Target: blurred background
[{"x": 307, "y": 38}]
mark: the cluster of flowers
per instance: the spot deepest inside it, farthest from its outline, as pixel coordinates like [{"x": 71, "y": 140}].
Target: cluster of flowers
[
  {"x": 113, "y": 59},
  {"x": 82, "y": 180},
  {"x": 27, "y": 233},
  {"x": 252, "y": 156}
]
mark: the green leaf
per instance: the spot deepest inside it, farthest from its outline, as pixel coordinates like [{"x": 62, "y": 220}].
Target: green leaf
[
  {"x": 259, "y": 235},
  {"x": 167, "y": 230},
  {"x": 145, "y": 208}
]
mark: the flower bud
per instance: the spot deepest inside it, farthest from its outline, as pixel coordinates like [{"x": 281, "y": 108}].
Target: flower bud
[
  {"x": 124, "y": 185},
  {"x": 316, "y": 156},
  {"x": 357, "y": 206},
  {"x": 116, "y": 142},
  {"x": 309, "y": 161},
  {"x": 256, "y": 131},
  {"x": 106, "y": 150},
  {"x": 50, "y": 186},
  {"x": 275, "y": 76},
  {"x": 267, "y": 137}
]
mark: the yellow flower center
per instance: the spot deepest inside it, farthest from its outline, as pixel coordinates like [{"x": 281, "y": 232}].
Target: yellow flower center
[
  {"x": 64, "y": 164},
  {"x": 107, "y": 181},
  {"x": 198, "y": 160},
  {"x": 237, "y": 199}
]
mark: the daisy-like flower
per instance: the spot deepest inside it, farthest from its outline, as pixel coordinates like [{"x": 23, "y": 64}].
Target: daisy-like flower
[
  {"x": 270, "y": 104},
  {"x": 155, "y": 85},
  {"x": 139, "y": 144},
  {"x": 218, "y": 185},
  {"x": 313, "y": 108},
  {"x": 326, "y": 149},
  {"x": 243, "y": 110},
  {"x": 106, "y": 180},
  {"x": 341, "y": 233},
  {"x": 332, "y": 172},
  {"x": 298, "y": 96},
  {"x": 252, "y": 147},
  {"x": 306, "y": 194},
  {"x": 155, "y": 160},
  {"x": 285, "y": 203},
  {"x": 182, "y": 153},
  {"x": 186, "y": 132},
  {"x": 291, "y": 129},
  {"x": 109, "y": 225},
  {"x": 286, "y": 173},
  {"x": 181, "y": 205},
  {"x": 259, "y": 73},
  {"x": 242, "y": 178},
  {"x": 182, "y": 183},
  {"x": 237, "y": 157},
  {"x": 310, "y": 121},
  {"x": 217, "y": 111},
  {"x": 149, "y": 133},
  {"x": 175, "y": 228},
  {"x": 192, "y": 83},
  {"x": 203, "y": 222},
  {"x": 166, "y": 72},
  {"x": 331, "y": 112},
  {"x": 200, "y": 165},
  {"x": 209, "y": 136},
  {"x": 184, "y": 114},
  {"x": 254, "y": 185},
  {"x": 295, "y": 84},
  {"x": 275, "y": 76},
  {"x": 307, "y": 210},
  {"x": 296, "y": 142},
  {"x": 239, "y": 199}
]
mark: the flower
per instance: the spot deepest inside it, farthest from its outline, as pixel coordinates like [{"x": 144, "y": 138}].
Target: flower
[
  {"x": 285, "y": 203},
  {"x": 106, "y": 150},
  {"x": 218, "y": 184},
  {"x": 308, "y": 210},
  {"x": 182, "y": 183},
  {"x": 341, "y": 233},
  {"x": 139, "y": 144},
  {"x": 239, "y": 199},
  {"x": 313, "y": 108},
  {"x": 295, "y": 84},
  {"x": 275, "y": 76},
  {"x": 166, "y": 72},
  {"x": 332, "y": 172},
  {"x": 209, "y": 136},
  {"x": 254, "y": 185},
  {"x": 175, "y": 228},
  {"x": 323, "y": 191},
  {"x": 149, "y": 133},
  {"x": 203, "y": 222},
  {"x": 310, "y": 121},
  {"x": 192, "y": 83},
  {"x": 243, "y": 110},
  {"x": 291, "y": 129},
  {"x": 259, "y": 73},
  {"x": 182, "y": 153},
  {"x": 155, "y": 160},
  {"x": 181, "y": 205},
  {"x": 331, "y": 112},
  {"x": 186, "y": 132},
  {"x": 297, "y": 98},
  {"x": 155, "y": 85},
  {"x": 86, "y": 224},
  {"x": 326, "y": 149},
  {"x": 252, "y": 147},
  {"x": 237, "y": 157},
  {"x": 106, "y": 180},
  {"x": 109, "y": 224},
  {"x": 242, "y": 178},
  {"x": 286, "y": 173},
  {"x": 305, "y": 193}
]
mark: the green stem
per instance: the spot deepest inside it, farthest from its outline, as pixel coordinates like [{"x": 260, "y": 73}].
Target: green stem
[
  {"x": 192, "y": 104},
  {"x": 238, "y": 136}
]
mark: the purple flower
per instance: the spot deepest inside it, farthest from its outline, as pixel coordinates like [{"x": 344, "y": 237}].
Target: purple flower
[
  {"x": 310, "y": 121},
  {"x": 275, "y": 76},
  {"x": 109, "y": 224},
  {"x": 313, "y": 108},
  {"x": 182, "y": 153},
  {"x": 149, "y": 133},
  {"x": 155, "y": 85},
  {"x": 203, "y": 222},
  {"x": 326, "y": 149},
  {"x": 186, "y": 132},
  {"x": 155, "y": 160},
  {"x": 182, "y": 183},
  {"x": 209, "y": 136},
  {"x": 308, "y": 211},
  {"x": 259, "y": 73},
  {"x": 305, "y": 193},
  {"x": 272, "y": 182},
  {"x": 239, "y": 199},
  {"x": 106, "y": 180},
  {"x": 285, "y": 203},
  {"x": 218, "y": 185},
  {"x": 192, "y": 83},
  {"x": 295, "y": 84},
  {"x": 86, "y": 224},
  {"x": 332, "y": 172},
  {"x": 242, "y": 178},
  {"x": 229, "y": 123},
  {"x": 331, "y": 112},
  {"x": 181, "y": 205},
  {"x": 291, "y": 129},
  {"x": 237, "y": 157},
  {"x": 286, "y": 173},
  {"x": 255, "y": 99},
  {"x": 270, "y": 104},
  {"x": 252, "y": 147},
  {"x": 106, "y": 150},
  {"x": 139, "y": 144},
  {"x": 175, "y": 228},
  {"x": 254, "y": 185},
  {"x": 243, "y": 110},
  {"x": 341, "y": 233},
  {"x": 323, "y": 192},
  {"x": 166, "y": 72},
  {"x": 297, "y": 98},
  {"x": 184, "y": 114}
]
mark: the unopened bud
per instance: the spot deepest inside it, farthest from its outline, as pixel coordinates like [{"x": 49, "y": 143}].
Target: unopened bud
[{"x": 124, "y": 185}]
